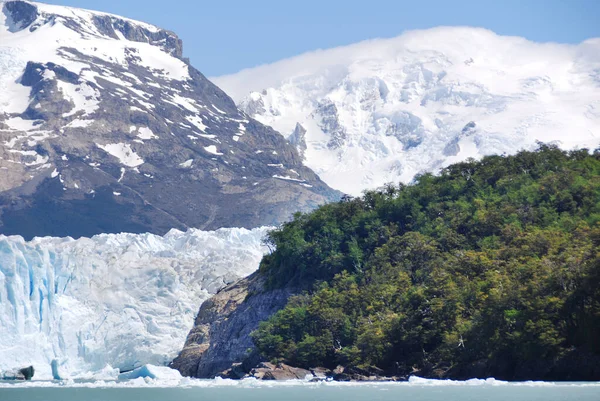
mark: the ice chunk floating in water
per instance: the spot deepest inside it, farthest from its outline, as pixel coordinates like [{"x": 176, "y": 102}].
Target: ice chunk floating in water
[
  {"x": 152, "y": 372},
  {"x": 114, "y": 300}
]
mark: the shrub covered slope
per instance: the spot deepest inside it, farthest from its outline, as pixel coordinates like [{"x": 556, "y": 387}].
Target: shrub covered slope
[{"x": 491, "y": 268}]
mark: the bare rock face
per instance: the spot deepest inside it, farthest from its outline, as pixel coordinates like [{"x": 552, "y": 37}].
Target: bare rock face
[
  {"x": 269, "y": 371},
  {"x": 220, "y": 337},
  {"x": 105, "y": 127}
]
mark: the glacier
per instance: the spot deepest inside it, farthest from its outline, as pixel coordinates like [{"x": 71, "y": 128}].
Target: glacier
[
  {"x": 384, "y": 110},
  {"x": 113, "y": 302}
]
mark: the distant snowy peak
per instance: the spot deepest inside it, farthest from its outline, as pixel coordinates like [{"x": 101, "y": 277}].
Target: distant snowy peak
[
  {"x": 383, "y": 110},
  {"x": 104, "y": 127}
]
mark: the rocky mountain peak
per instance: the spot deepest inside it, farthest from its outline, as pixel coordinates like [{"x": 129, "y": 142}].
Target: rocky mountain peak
[
  {"x": 23, "y": 15},
  {"x": 105, "y": 128}
]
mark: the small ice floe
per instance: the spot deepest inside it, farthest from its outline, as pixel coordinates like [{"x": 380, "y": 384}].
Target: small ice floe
[
  {"x": 151, "y": 372},
  {"x": 18, "y": 374}
]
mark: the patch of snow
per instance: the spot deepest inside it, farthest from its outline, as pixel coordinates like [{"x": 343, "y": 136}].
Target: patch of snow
[
  {"x": 287, "y": 178},
  {"x": 132, "y": 76},
  {"x": 212, "y": 149},
  {"x": 14, "y": 97},
  {"x": 83, "y": 96},
  {"x": 19, "y": 124},
  {"x": 187, "y": 103},
  {"x": 146, "y": 133},
  {"x": 217, "y": 109},
  {"x": 123, "y": 152},
  {"x": 197, "y": 121},
  {"x": 122, "y": 175},
  {"x": 187, "y": 163}
]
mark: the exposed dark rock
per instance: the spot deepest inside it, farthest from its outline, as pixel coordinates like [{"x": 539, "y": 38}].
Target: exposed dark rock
[
  {"x": 298, "y": 139},
  {"x": 470, "y": 126},
  {"x": 330, "y": 124},
  {"x": 321, "y": 373},
  {"x": 236, "y": 371},
  {"x": 20, "y": 13},
  {"x": 452, "y": 148},
  {"x": 108, "y": 24},
  {"x": 281, "y": 371},
  {"x": 408, "y": 129},
  {"x": 221, "y": 333}
]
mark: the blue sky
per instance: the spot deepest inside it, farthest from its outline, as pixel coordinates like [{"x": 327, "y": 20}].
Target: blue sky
[{"x": 222, "y": 37}]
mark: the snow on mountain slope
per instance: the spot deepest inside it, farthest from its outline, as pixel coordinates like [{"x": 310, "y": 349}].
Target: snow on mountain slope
[
  {"x": 113, "y": 300},
  {"x": 99, "y": 115},
  {"x": 383, "y": 110},
  {"x": 56, "y": 34}
]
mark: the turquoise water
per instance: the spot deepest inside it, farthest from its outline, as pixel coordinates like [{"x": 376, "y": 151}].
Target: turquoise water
[{"x": 223, "y": 390}]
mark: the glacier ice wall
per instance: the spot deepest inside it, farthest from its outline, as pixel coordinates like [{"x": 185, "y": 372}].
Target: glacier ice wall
[{"x": 113, "y": 300}]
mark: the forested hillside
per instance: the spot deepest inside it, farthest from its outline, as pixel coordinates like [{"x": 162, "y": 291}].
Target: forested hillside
[{"x": 491, "y": 268}]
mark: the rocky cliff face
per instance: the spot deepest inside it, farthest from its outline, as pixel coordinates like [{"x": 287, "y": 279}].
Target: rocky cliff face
[
  {"x": 104, "y": 127},
  {"x": 221, "y": 332}
]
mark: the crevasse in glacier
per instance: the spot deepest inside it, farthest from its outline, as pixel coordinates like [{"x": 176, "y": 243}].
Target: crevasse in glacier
[{"x": 113, "y": 300}]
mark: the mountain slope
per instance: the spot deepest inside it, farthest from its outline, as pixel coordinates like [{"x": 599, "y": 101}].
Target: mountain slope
[
  {"x": 121, "y": 300},
  {"x": 383, "y": 110},
  {"x": 104, "y": 127}
]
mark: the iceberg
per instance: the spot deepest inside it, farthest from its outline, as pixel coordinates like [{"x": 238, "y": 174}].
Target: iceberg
[
  {"x": 152, "y": 372},
  {"x": 71, "y": 307}
]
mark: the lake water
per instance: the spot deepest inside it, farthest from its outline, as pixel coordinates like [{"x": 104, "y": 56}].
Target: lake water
[{"x": 225, "y": 390}]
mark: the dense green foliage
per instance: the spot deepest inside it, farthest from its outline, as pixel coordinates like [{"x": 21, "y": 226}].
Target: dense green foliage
[{"x": 496, "y": 260}]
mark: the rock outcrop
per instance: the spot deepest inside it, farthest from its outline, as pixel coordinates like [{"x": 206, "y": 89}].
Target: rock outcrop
[
  {"x": 270, "y": 371},
  {"x": 221, "y": 333}
]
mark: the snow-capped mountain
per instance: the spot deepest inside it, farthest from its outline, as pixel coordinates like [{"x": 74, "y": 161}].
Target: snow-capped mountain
[
  {"x": 105, "y": 127},
  {"x": 113, "y": 300},
  {"x": 383, "y": 110}
]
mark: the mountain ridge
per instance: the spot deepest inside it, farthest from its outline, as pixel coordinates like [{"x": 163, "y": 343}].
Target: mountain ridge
[{"x": 105, "y": 127}]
